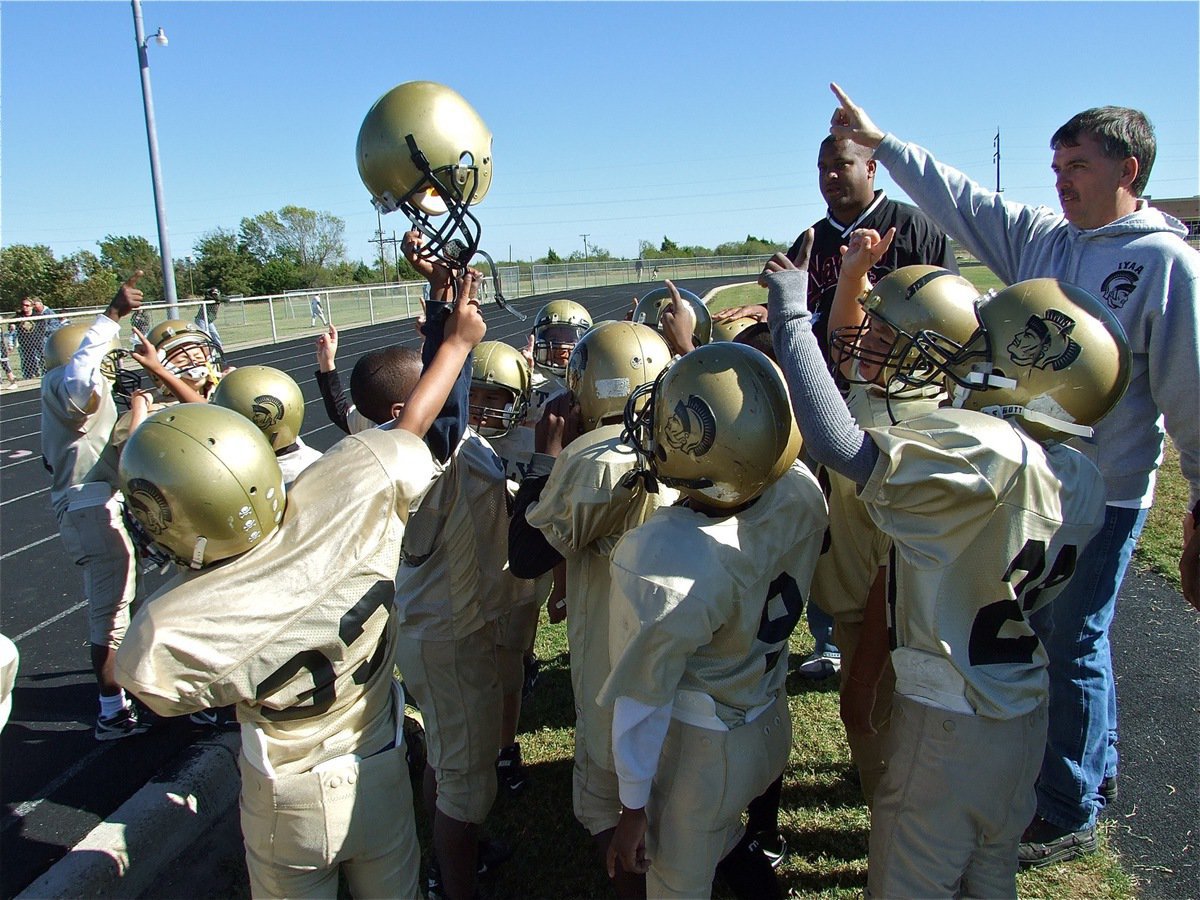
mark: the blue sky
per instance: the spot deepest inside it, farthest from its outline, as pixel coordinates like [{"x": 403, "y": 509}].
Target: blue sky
[{"x": 623, "y": 121}]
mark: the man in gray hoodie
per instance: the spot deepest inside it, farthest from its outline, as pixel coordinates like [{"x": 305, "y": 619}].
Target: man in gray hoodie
[{"x": 1110, "y": 242}]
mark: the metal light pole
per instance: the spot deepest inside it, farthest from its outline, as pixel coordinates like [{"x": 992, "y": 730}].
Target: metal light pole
[{"x": 160, "y": 210}]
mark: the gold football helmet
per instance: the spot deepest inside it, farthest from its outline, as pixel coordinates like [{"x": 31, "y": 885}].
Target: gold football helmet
[
  {"x": 609, "y": 363},
  {"x": 932, "y": 312},
  {"x": 558, "y": 327},
  {"x": 186, "y": 351},
  {"x": 203, "y": 482},
  {"x": 729, "y": 329},
  {"x": 269, "y": 398},
  {"x": 650, "y": 307},
  {"x": 495, "y": 366},
  {"x": 62, "y": 344},
  {"x": 1047, "y": 354},
  {"x": 718, "y": 426},
  {"x": 424, "y": 150}
]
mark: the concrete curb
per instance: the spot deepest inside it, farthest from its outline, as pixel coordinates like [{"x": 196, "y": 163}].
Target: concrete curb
[{"x": 124, "y": 855}]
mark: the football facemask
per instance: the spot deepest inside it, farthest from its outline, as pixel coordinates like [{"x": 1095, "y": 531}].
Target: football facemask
[
  {"x": 558, "y": 327},
  {"x": 500, "y": 387}
]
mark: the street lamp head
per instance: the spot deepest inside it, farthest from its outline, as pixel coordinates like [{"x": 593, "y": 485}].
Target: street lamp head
[{"x": 160, "y": 37}]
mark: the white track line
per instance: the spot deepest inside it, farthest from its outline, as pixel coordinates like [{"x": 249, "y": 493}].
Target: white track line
[
  {"x": 50, "y": 621},
  {"x": 20, "y": 812}
]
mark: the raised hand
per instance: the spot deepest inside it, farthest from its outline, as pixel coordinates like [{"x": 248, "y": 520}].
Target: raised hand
[
  {"x": 852, "y": 122},
  {"x": 127, "y": 299}
]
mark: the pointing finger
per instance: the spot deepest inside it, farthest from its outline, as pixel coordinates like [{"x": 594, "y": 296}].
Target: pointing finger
[{"x": 132, "y": 280}]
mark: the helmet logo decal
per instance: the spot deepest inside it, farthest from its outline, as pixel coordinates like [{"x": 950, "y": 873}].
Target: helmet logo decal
[
  {"x": 1045, "y": 341},
  {"x": 149, "y": 503},
  {"x": 692, "y": 427},
  {"x": 1118, "y": 287},
  {"x": 267, "y": 411}
]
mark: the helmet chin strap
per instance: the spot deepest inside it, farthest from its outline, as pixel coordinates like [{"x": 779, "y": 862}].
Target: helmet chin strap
[{"x": 1038, "y": 418}]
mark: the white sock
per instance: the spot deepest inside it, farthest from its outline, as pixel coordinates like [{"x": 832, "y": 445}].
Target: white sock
[{"x": 110, "y": 706}]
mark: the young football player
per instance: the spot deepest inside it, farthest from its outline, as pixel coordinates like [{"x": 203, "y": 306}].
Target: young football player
[
  {"x": 341, "y": 411},
  {"x": 500, "y": 395},
  {"x": 572, "y": 508},
  {"x": 705, "y": 595},
  {"x": 849, "y": 579},
  {"x": 78, "y": 420},
  {"x": 987, "y": 511},
  {"x": 272, "y": 400},
  {"x": 556, "y": 330},
  {"x": 286, "y": 608},
  {"x": 451, "y": 590}
]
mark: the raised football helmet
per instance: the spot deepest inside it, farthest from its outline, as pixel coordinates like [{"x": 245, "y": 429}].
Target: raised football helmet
[
  {"x": 1046, "y": 354},
  {"x": 718, "y": 426},
  {"x": 62, "y": 344},
  {"x": 269, "y": 398},
  {"x": 932, "y": 312},
  {"x": 186, "y": 351},
  {"x": 495, "y": 366},
  {"x": 609, "y": 363},
  {"x": 558, "y": 327},
  {"x": 424, "y": 150},
  {"x": 728, "y": 329},
  {"x": 203, "y": 482},
  {"x": 650, "y": 307}
]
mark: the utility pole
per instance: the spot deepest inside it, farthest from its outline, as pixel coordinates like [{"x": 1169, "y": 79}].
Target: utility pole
[
  {"x": 585, "y": 249},
  {"x": 996, "y": 157},
  {"x": 379, "y": 240}
]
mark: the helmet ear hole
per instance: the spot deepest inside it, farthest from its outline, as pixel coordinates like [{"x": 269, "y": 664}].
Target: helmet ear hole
[{"x": 467, "y": 159}]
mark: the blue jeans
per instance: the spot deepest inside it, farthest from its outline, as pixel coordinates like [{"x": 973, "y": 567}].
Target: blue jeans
[
  {"x": 1081, "y": 744},
  {"x": 820, "y": 625}
]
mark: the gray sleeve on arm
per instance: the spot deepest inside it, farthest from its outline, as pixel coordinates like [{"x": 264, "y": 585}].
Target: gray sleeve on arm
[{"x": 831, "y": 435}]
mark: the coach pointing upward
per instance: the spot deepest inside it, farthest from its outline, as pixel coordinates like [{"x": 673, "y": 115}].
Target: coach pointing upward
[{"x": 1110, "y": 242}]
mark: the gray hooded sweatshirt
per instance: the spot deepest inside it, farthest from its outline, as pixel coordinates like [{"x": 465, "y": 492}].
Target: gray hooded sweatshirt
[{"x": 1138, "y": 265}]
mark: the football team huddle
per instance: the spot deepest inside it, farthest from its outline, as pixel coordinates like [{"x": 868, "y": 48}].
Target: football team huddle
[{"x": 879, "y": 439}]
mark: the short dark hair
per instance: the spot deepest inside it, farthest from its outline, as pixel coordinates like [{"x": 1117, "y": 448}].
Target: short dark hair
[
  {"x": 757, "y": 336},
  {"x": 1122, "y": 132},
  {"x": 382, "y": 378},
  {"x": 850, "y": 146}
]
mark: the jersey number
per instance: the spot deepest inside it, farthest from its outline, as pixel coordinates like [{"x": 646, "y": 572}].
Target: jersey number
[
  {"x": 986, "y": 646},
  {"x": 779, "y": 629},
  {"x": 319, "y": 666}
]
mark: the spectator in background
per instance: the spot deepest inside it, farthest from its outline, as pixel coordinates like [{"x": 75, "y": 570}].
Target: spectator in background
[
  {"x": 316, "y": 312},
  {"x": 31, "y": 336},
  {"x": 206, "y": 315},
  {"x": 12, "y": 379}
]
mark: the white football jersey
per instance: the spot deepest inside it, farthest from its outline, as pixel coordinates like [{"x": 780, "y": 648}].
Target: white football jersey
[
  {"x": 855, "y": 548},
  {"x": 300, "y": 631},
  {"x": 546, "y": 385},
  {"x": 76, "y": 443},
  {"x": 986, "y": 524},
  {"x": 451, "y": 579},
  {"x": 708, "y": 604},
  {"x": 583, "y": 511}
]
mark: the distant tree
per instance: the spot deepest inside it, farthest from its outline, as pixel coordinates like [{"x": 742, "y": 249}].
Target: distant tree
[
  {"x": 668, "y": 247},
  {"x": 551, "y": 257},
  {"x": 278, "y": 276},
  {"x": 31, "y": 270},
  {"x": 92, "y": 283},
  {"x": 124, "y": 254},
  {"x": 222, "y": 262},
  {"x": 751, "y": 246},
  {"x": 312, "y": 239}
]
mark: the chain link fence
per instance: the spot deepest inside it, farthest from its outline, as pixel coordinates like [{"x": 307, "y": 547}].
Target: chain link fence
[{"x": 253, "y": 321}]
